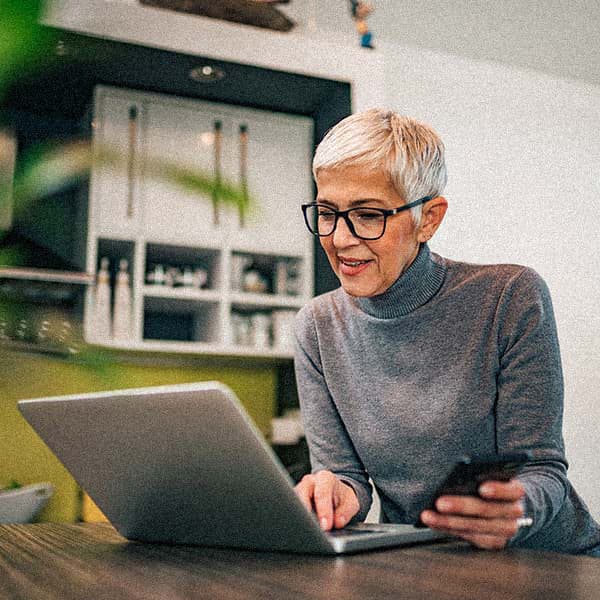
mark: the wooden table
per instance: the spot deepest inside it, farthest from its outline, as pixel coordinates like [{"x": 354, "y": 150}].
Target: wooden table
[{"x": 46, "y": 561}]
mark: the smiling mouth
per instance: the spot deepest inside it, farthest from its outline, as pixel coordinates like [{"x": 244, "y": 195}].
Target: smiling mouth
[
  {"x": 353, "y": 263},
  {"x": 353, "y": 267}
]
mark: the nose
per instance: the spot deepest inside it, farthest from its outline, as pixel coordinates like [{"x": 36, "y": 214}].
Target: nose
[{"x": 342, "y": 236}]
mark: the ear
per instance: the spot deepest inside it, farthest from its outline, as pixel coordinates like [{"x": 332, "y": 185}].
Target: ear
[{"x": 431, "y": 218}]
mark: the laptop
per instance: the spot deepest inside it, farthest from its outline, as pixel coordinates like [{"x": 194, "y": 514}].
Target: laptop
[{"x": 184, "y": 464}]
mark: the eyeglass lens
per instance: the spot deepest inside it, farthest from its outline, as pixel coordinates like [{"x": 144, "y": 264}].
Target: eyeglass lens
[{"x": 368, "y": 223}]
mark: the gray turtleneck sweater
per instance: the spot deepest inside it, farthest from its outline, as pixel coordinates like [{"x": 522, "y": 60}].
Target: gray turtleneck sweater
[{"x": 454, "y": 359}]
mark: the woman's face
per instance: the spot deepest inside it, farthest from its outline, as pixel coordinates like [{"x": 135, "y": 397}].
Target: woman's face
[{"x": 367, "y": 267}]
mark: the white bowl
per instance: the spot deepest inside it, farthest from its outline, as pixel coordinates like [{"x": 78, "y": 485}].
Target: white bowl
[{"x": 22, "y": 504}]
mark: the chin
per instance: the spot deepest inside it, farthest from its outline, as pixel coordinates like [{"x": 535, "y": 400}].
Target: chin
[{"x": 359, "y": 290}]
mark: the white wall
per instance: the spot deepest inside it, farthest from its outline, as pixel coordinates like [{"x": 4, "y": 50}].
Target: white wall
[{"x": 524, "y": 186}]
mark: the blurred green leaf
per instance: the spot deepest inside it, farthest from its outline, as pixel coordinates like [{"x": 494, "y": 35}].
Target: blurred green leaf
[
  {"x": 48, "y": 168},
  {"x": 23, "y": 43},
  {"x": 24, "y": 47},
  {"x": 98, "y": 360},
  {"x": 195, "y": 181}
]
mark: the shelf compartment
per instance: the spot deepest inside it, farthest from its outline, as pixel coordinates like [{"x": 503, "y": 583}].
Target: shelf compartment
[
  {"x": 39, "y": 291},
  {"x": 271, "y": 274},
  {"x": 42, "y": 328},
  {"x": 115, "y": 251},
  {"x": 186, "y": 267},
  {"x": 181, "y": 320},
  {"x": 271, "y": 329}
]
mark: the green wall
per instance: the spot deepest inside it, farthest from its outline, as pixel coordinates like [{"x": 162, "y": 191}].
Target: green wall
[{"x": 26, "y": 459}]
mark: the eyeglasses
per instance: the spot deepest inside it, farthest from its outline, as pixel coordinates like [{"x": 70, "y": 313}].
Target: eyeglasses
[{"x": 365, "y": 223}]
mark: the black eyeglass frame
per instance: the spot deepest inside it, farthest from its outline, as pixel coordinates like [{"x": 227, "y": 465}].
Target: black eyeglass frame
[{"x": 386, "y": 212}]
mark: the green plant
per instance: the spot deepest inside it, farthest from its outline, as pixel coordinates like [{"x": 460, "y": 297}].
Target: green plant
[
  {"x": 25, "y": 47},
  {"x": 23, "y": 44}
]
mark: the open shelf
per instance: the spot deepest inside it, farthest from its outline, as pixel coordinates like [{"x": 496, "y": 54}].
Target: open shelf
[
  {"x": 258, "y": 273},
  {"x": 181, "y": 320},
  {"x": 187, "y": 267},
  {"x": 198, "y": 283}
]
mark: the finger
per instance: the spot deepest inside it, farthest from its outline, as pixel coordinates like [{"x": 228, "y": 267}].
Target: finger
[
  {"x": 304, "y": 490},
  {"x": 485, "y": 542},
  {"x": 477, "y": 507},
  {"x": 459, "y": 525},
  {"x": 346, "y": 504},
  {"x": 502, "y": 490},
  {"x": 323, "y": 498}
]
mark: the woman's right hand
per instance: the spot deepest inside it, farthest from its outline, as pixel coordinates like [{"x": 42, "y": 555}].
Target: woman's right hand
[{"x": 333, "y": 501}]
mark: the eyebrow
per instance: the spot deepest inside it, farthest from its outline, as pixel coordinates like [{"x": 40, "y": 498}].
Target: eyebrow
[{"x": 352, "y": 204}]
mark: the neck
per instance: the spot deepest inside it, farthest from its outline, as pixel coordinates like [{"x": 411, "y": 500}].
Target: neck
[
  {"x": 411, "y": 261},
  {"x": 414, "y": 288}
]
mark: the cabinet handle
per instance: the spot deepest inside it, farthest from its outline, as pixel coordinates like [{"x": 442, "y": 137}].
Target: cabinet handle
[
  {"x": 243, "y": 174},
  {"x": 133, "y": 134},
  {"x": 218, "y": 131}
]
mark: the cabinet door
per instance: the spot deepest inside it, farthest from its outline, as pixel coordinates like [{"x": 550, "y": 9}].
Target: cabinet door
[
  {"x": 189, "y": 137},
  {"x": 278, "y": 166},
  {"x": 117, "y": 178}
]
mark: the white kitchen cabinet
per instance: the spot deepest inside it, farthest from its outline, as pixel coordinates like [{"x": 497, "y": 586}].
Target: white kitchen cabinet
[
  {"x": 279, "y": 147},
  {"x": 276, "y": 172},
  {"x": 118, "y": 128},
  {"x": 184, "y": 133},
  {"x": 204, "y": 278}
]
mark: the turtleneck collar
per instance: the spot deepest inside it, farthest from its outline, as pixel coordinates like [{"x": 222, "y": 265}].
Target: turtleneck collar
[{"x": 416, "y": 286}]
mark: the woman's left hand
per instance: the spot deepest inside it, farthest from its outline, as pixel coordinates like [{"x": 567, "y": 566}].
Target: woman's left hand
[{"x": 488, "y": 521}]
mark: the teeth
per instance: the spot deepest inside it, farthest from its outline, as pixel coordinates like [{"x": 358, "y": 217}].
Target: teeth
[{"x": 355, "y": 263}]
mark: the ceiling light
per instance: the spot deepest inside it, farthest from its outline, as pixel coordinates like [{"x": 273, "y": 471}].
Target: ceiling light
[{"x": 206, "y": 74}]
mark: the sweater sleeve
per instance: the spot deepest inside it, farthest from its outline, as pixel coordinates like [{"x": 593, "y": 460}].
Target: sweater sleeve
[
  {"x": 329, "y": 444},
  {"x": 529, "y": 405}
]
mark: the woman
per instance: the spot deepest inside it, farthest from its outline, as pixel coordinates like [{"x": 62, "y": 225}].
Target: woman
[{"x": 418, "y": 360}]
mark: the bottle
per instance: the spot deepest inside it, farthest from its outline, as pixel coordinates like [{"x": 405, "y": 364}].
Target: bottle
[
  {"x": 102, "y": 302},
  {"x": 281, "y": 276},
  {"x": 122, "y": 312},
  {"x": 261, "y": 330},
  {"x": 283, "y": 329},
  {"x": 157, "y": 276},
  {"x": 187, "y": 278}
]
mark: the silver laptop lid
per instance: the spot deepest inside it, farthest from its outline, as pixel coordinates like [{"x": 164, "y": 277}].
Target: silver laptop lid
[{"x": 177, "y": 464}]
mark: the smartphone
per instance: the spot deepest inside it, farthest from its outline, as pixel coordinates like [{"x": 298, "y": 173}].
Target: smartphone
[{"x": 468, "y": 474}]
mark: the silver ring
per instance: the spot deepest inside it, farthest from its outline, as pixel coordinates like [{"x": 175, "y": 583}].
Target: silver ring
[{"x": 524, "y": 522}]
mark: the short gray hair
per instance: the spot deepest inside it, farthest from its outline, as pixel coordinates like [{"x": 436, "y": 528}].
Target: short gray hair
[{"x": 410, "y": 153}]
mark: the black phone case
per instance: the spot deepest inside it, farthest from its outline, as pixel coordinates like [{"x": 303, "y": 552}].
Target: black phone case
[{"x": 467, "y": 475}]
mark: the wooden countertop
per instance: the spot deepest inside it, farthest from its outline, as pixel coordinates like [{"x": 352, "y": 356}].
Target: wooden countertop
[{"x": 93, "y": 561}]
